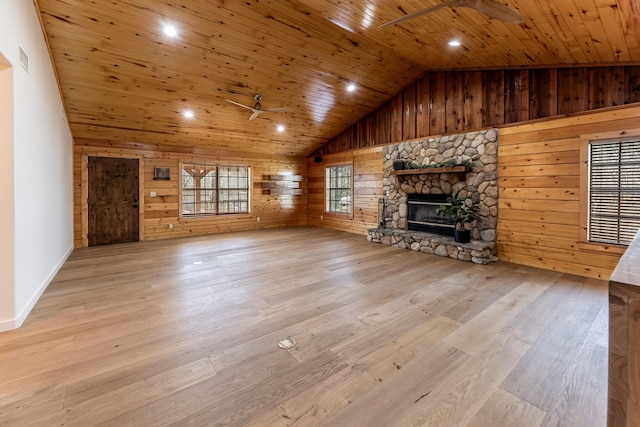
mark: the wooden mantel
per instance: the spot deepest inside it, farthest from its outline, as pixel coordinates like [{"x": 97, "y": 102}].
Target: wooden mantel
[
  {"x": 624, "y": 339},
  {"x": 449, "y": 169}
]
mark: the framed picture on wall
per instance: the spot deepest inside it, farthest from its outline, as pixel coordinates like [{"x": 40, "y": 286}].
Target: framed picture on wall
[{"x": 162, "y": 173}]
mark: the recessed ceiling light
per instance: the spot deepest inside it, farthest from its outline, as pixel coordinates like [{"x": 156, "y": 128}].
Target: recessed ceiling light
[
  {"x": 280, "y": 128},
  {"x": 170, "y": 31},
  {"x": 455, "y": 43},
  {"x": 351, "y": 87},
  {"x": 188, "y": 114}
]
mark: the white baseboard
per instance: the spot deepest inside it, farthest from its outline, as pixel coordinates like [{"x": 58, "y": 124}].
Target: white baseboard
[
  {"x": 7, "y": 325},
  {"x": 10, "y": 324}
]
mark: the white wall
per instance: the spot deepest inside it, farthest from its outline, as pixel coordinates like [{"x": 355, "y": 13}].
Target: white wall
[
  {"x": 42, "y": 166},
  {"x": 6, "y": 189}
]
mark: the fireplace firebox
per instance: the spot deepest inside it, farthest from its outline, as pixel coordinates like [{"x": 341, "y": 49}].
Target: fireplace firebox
[{"x": 422, "y": 216}]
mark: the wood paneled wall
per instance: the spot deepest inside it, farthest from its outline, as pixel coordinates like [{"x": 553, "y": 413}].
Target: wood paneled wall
[
  {"x": 460, "y": 101},
  {"x": 367, "y": 189},
  {"x": 160, "y": 211},
  {"x": 540, "y": 202},
  {"x": 540, "y": 205}
]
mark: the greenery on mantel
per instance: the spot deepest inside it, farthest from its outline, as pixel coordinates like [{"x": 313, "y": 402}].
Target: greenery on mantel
[{"x": 446, "y": 164}]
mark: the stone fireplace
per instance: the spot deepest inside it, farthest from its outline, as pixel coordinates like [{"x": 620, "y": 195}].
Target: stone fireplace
[{"x": 412, "y": 195}]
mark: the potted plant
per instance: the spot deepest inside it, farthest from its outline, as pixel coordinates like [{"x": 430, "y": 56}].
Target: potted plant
[{"x": 461, "y": 214}]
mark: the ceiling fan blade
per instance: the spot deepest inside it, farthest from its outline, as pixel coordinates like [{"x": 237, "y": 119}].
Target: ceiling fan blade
[
  {"x": 241, "y": 105},
  {"x": 493, "y": 9},
  {"x": 275, "y": 110},
  {"x": 258, "y": 108},
  {"x": 419, "y": 13}
]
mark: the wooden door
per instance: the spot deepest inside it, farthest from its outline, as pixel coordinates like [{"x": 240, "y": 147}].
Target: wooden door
[{"x": 113, "y": 201}]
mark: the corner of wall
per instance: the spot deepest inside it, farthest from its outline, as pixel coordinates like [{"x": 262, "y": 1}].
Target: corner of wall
[
  {"x": 26, "y": 309},
  {"x": 7, "y": 214}
]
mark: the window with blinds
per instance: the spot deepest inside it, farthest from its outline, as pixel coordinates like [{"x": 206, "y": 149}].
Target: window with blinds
[{"x": 614, "y": 191}]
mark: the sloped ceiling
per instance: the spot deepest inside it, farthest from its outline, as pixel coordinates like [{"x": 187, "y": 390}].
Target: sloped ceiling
[{"x": 123, "y": 80}]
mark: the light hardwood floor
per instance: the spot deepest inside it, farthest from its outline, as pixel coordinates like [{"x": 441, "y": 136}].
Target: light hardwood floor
[{"x": 186, "y": 332}]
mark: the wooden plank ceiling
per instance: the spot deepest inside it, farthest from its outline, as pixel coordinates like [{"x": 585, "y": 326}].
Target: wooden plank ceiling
[{"x": 123, "y": 80}]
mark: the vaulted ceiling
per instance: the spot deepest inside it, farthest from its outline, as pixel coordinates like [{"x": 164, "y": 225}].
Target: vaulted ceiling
[{"x": 123, "y": 80}]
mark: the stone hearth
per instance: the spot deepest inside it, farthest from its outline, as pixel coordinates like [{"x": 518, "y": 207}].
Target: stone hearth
[{"x": 477, "y": 252}]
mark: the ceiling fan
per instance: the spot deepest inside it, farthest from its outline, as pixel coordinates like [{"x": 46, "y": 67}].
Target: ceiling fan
[
  {"x": 491, "y": 8},
  {"x": 258, "y": 108}
]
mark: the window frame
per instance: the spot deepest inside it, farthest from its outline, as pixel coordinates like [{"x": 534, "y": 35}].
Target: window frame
[
  {"x": 327, "y": 189},
  {"x": 217, "y": 190},
  {"x": 585, "y": 142}
]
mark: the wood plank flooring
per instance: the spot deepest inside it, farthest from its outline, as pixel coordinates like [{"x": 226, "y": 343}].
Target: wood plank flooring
[{"x": 185, "y": 332}]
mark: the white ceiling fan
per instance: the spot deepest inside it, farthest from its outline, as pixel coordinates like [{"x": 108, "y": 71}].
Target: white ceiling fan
[
  {"x": 258, "y": 109},
  {"x": 491, "y": 8}
]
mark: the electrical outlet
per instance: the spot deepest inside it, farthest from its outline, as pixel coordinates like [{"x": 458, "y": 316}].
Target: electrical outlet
[
  {"x": 170, "y": 226},
  {"x": 258, "y": 218},
  {"x": 152, "y": 194},
  {"x": 321, "y": 216}
]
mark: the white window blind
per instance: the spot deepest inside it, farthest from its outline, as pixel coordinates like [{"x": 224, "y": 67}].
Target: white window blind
[{"x": 614, "y": 191}]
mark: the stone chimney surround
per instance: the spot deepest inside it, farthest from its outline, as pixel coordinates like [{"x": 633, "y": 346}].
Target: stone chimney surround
[{"x": 479, "y": 183}]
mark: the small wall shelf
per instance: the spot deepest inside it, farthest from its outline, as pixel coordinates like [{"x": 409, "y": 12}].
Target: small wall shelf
[
  {"x": 283, "y": 184},
  {"x": 449, "y": 169}
]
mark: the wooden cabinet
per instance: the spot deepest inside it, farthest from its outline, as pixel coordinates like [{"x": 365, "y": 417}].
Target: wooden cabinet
[{"x": 624, "y": 340}]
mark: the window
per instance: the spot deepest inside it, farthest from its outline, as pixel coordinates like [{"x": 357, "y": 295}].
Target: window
[
  {"x": 214, "y": 190},
  {"x": 614, "y": 190},
  {"x": 338, "y": 189}
]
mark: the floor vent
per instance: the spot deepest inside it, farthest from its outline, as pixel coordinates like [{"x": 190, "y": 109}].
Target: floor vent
[
  {"x": 24, "y": 59},
  {"x": 287, "y": 343}
]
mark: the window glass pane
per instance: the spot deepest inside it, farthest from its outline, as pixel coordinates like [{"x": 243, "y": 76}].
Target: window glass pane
[
  {"x": 187, "y": 177},
  {"x": 188, "y": 202},
  {"x": 208, "y": 180}
]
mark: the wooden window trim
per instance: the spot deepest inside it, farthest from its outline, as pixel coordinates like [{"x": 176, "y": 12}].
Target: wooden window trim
[
  {"x": 349, "y": 215},
  {"x": 217, "y": 216},
  {"x": 585, "y": 141}
]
